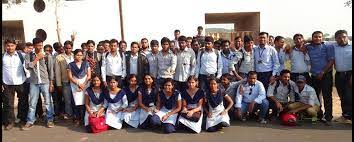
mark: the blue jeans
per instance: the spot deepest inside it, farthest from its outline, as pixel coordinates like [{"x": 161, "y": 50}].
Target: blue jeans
[
  {"x": 263, "y": 107},
  {"x": 35, "y": 90},
  {"x": 68, "y": 96}
]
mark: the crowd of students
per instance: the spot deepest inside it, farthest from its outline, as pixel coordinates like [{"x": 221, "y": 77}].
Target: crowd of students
[{"x": 190, "y": 83}]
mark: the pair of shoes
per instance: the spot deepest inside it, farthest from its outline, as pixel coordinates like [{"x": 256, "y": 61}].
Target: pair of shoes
[
  {"x": 50, "y": 124},
  {"x": 27, "y": 126},
  {"x": 263, "y": 121},
  {"x": 9, "y": 126}
]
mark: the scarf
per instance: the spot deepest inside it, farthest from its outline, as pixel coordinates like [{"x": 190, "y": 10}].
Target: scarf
[
  {"x": 214, "y": 101},
  {"x": 197, "y": 96},
  {"x": 131, "y": 96},
  {"x": 116, "y": 99},
  {"x": 79, "y": 72},
  {"x": 93, "y": 97},
  {"x": 148, "y": 98},
  {"x": 170, "y": 102}
]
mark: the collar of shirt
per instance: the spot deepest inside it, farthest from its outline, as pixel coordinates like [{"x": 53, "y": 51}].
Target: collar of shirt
[{"x": 15, "y": 53}]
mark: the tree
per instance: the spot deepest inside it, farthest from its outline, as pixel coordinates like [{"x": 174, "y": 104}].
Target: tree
[{"x": 348, "y": 4}]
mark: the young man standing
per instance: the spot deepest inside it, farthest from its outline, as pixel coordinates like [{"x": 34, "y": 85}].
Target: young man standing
[
  {"x": 144, "y": 50},
  {"x": 279, "y": 43},
  {"x": 185, "y": 64},
  {"x": 322, "y": 60},
  {"x": 226, "y": 56},
  {"x": 167, "y": 62},
  {"x": 41, "y": 82},
  {"x": 13, "y": 78},
  {"x": 200, "y": 37},
  {"x": 152, "y": 57},
  {"x": 136, "y": 63}
]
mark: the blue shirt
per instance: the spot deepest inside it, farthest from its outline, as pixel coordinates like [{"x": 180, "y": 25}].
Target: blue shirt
[
  {"x": 266, "y": 59},
  {"x": 251, "y": 93},
  {"x": 343, "y": 57},
  {"x": 319, "y": 56}
]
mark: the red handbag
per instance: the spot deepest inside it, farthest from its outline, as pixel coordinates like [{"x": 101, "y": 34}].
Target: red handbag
[{"x": 98, "y": 124}]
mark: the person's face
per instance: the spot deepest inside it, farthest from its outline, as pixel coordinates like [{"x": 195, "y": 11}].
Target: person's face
[
  {"x": 144, "y": 44},
  {"x": 30, "y": 48},
  {"x": 238, "y": 43},
  {"x": 168, "y": 87},
  {"x": 280, "y": 43},
  {"x": 100, "y": 49},
  {"x": 79, "y": 56},
  {"x": 38, "y": 47},
  {"x": 113, "y": 84},
  {"x": 182, "y": 45},
  {"x": 148, "y": 80},
  {"x": 285, "y": 78},
  {"x": 155, "y": 48},
  {"x": 300, "y": 84},
  {"x": 90, "y": 47},
  {"x": 225, "y": 81},
  {"x": 298, "y": 40},
  {"x": 132, "y": 81},
  {"x": 96, "y": 82},
  {"x": 165, "y": 46},
  {"x": 60, "y": 50},
  {"x": 213, "y": 86},
  {"x": 177, "y": 35},
  {"x": 84, "y": 48},
  {"x": 217, "y": 46},
  {"x": 271, "y": 41},
  {"x": 106, "y": 47},
  {"x": 189, "y": 43},
  {"x": 225, "y": 46},
  {"x": 48, "y": 50},
  {"x": 249, "y": 45},
  {"x": 342, "y": 39},
  {"x": 68, "y": 49},
  {"x": 113, "y": 46},
  {"x": 123, "y": 47},
  {"x": 209, "y": 45},
  {"x": 192, "y": 84},
  {"x": 317, "y": 38},
  {"x": 200, "y": 30},
  {"x": 263, "y": 39},
  {"x": 252, "y": 79},
  {"x": 134, "y": 48},
  {"x": 10, "y": 47},
  {"x": 195, "y": 46}
]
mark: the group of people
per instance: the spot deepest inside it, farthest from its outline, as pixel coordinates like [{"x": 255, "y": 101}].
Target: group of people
[{"x": 192, "y": 83}]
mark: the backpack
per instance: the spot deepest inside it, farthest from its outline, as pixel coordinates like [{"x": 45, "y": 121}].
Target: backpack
[
  {"x": 21, "y": 58},
  {"x": 98, "y": 124},
  {"x": 201, "y": 55},
  {"x": 297, "y": 96}
]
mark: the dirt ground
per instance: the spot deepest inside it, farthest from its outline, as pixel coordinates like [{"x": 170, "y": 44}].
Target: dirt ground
[{"x": 238, "y": 131}]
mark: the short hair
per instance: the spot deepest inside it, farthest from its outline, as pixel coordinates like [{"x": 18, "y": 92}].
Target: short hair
[
  {"x": 247, "y": 38},
  {"x": 121, "y": 42},
  {"x": 36, "y": 40},
  {"x": 165, "y": 39},
  {"x": 78, "y": 51},
  {"x": 177, "y": 31},
  {"x": 182, "y": 38},
  {"x": 154, "y": 42},
  {"x": 134, "y": 42},
  {"x": 212, "y": 78},
  {"x": 251, "y": 73},
  {"x": 278, "y": 38},
  {"x": 296, "y": 35},
  {"x": 68, "y": 42},
  {"x": 57, "y": 45},
  {"x": 238, "y": 37},
  {"x": 209, "y": 39},
  {"x": 189, "y": 38},
  {"x": 263, "y": 33},
  {"x": 7, "y": 41},
  {"x": 284, "y": 72},
  {"x": 113, "y": 41},
  {"x": 227, "y": 76},
  {"x": 20, "y": 46},
  {"x": 48, "y": 46},
  {"x": 144, "y": 39},
  {"x": 339, "y": 32},
  {"x": 225, "y": 41},
  {"x": 29, "y": 44},
  {"x": 106, "y": 41},
  {"x": 316, "y": 32},
  {"x": 218, "y": 42},
  {"x": 270, "y": 36},
  {"x": 90, "y": 42},
  {"x": 195, "y": 41},
  {"x": 200, "y": 27},
  {"x": 83, "y": 44}
]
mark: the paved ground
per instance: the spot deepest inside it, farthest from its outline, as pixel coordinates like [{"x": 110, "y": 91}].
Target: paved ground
[{"x": 240, "y": 132}]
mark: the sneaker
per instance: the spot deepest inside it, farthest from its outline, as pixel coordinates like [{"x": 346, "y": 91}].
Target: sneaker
[
  {"x": 50, "y": 124},
  {"x": 9, "y": 126},
  {"x": 263, "y": 121},
  {"x": 66, "y": 117},
  {"x": 17, "y": 120},
  {"x": 243, "y": 119},
  {"x": 26, "y": 127},
  {"x": 342, "y": 120}
]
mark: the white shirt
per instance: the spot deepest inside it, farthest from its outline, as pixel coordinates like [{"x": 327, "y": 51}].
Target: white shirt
[
  {"x": 247, "y": 64},
  {"x": 185, "y": 65},
  {"x": 39, "y": 72},
  {"x": 283, "y": 93},
  {"x": 166, "y": 64},
  {"x": 113, "y": 66},
  {"x": 299, "y": 61},
  {"x": 134, "y": 64},
  {"x": 255, "y": 93},
  {"x": 308, "y": 96},
  {"x": 13, "y": 70},
  {"x": 208, "y": 64}
]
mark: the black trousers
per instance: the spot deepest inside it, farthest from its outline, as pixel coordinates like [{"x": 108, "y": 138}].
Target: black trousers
[
  {"x": 325, "y": 86},
  {"x": 264, "y": 78},
  {"x": 9, "y": 103},
  {"x": 344, "y": 90},
  {"x": 293, "y": 77},
  {"x": 58, "y": 101}
]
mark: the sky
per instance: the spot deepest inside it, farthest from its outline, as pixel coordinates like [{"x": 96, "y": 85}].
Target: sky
[{"x": 154, "y": 19}]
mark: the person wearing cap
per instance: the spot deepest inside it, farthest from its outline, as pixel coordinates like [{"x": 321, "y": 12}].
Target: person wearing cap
[{"x": 305, "y": 99}]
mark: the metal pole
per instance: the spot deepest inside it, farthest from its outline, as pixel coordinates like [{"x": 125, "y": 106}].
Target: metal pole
[{"x": 121, "y": 20}]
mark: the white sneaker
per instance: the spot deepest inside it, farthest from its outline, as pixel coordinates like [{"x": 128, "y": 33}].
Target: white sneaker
[
  {"x": 17, "y": 120},
  {"x": 263, "y": 121}
]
